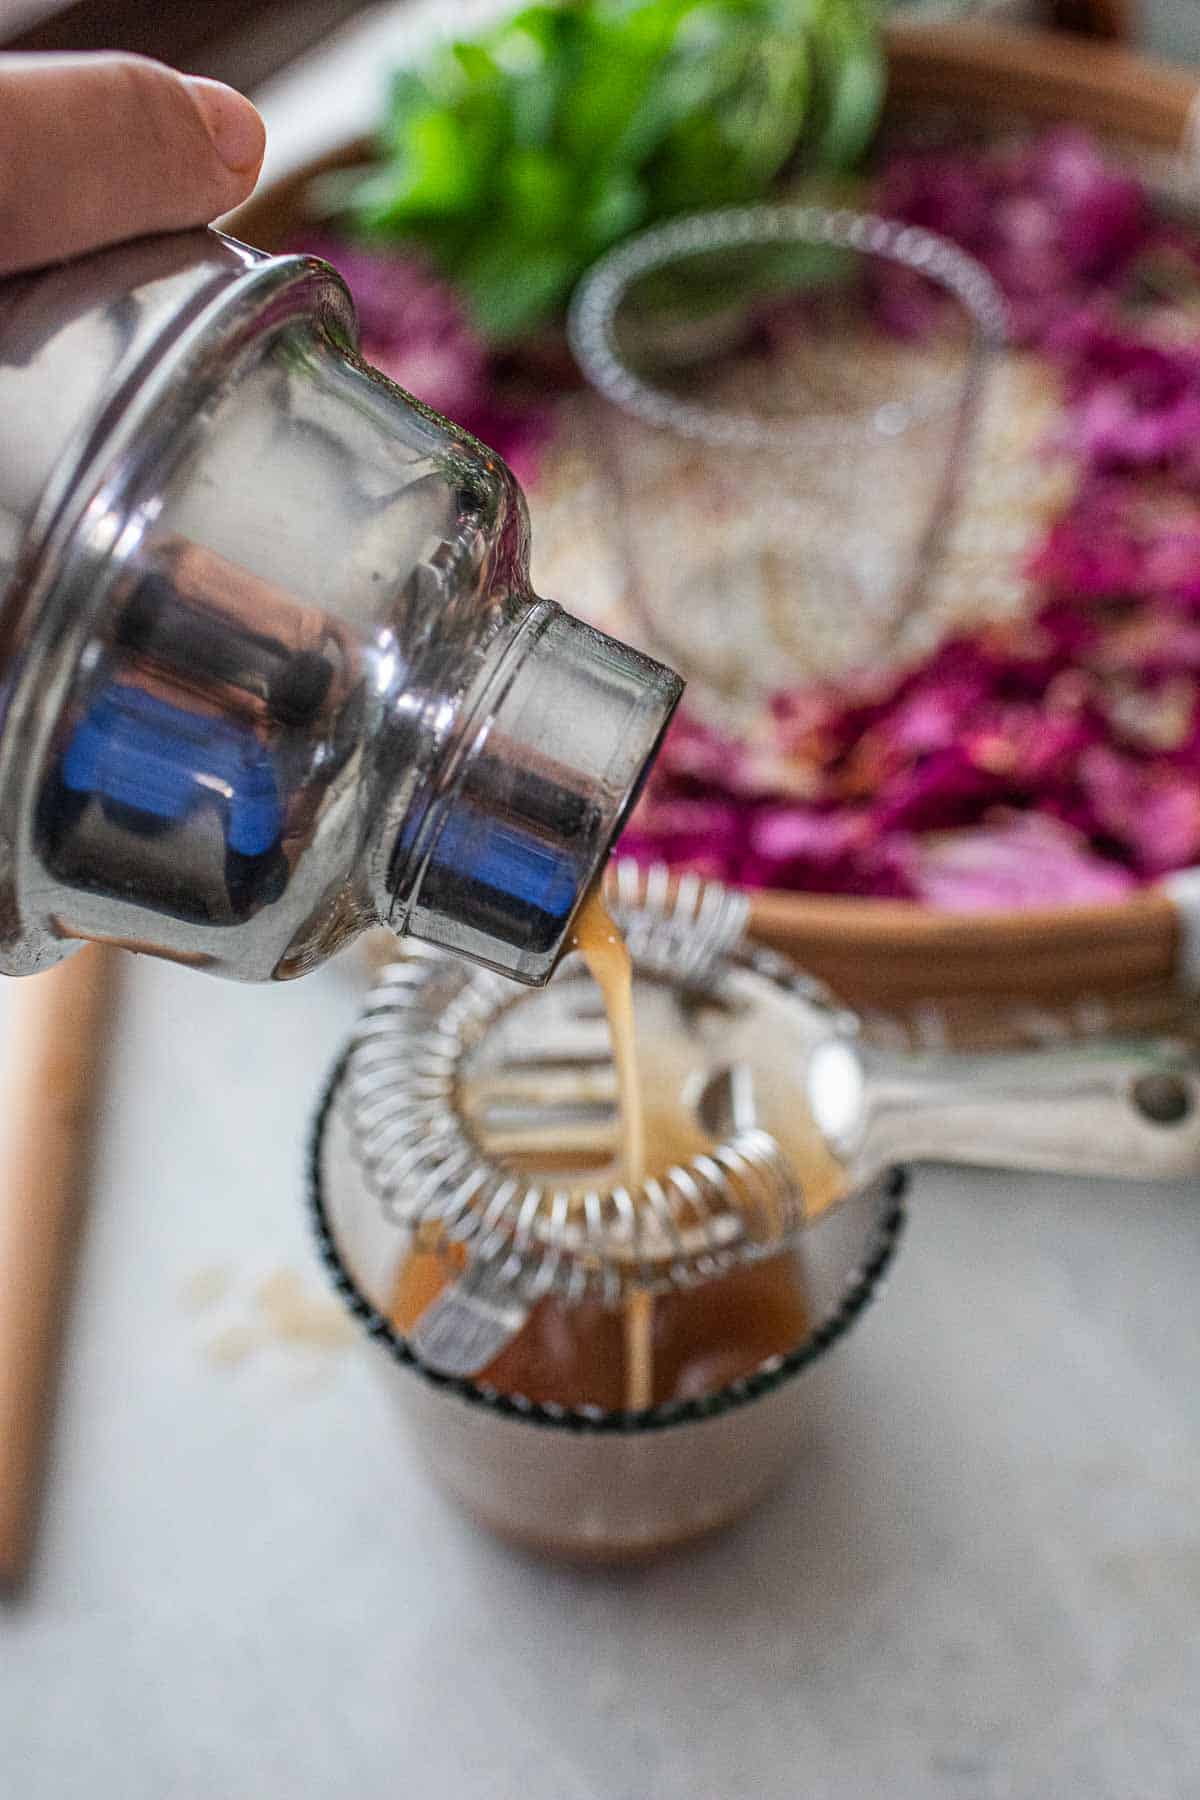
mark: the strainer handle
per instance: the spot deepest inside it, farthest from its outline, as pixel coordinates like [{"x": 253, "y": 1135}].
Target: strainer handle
[
  {"x": 1129, "y": 1110},
  {"x": 469, "y": 1324}
]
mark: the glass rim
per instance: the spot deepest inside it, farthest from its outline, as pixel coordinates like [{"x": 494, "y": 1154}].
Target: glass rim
[
  {"x": 859, "y": 1290},
  {"x": 591, "y": 319}
]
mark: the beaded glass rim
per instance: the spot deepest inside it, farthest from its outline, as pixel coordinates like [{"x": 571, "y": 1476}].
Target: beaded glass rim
[
  {"x": 591, "y": 322},
  {"x": 861, "y": 1287}
]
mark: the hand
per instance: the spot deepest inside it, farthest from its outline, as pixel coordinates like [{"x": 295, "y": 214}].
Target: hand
[{"x": 94, "y": 149}]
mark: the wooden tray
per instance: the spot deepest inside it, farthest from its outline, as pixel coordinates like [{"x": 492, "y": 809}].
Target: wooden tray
[{"x": 982, "y": 978}]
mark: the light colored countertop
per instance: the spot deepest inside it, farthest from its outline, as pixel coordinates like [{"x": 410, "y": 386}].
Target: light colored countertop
[{"x": 982, "y": 1584}]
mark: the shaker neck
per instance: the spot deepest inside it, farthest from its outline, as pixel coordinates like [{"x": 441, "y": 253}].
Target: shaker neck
[{"x": 545, "y": 764}]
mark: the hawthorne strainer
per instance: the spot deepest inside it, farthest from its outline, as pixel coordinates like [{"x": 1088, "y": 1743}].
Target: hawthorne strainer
[{"x": 487, "y": 1116}]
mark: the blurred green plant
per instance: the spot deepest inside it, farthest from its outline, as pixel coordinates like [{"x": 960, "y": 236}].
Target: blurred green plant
[{"x": 518, "y": 159}]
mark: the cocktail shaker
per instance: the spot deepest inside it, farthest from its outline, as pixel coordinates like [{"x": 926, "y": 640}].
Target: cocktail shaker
[{"x": 270, "y": 666}]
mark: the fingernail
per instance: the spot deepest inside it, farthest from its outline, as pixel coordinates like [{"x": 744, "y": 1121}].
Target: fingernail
[{"x": 238, "y": 134}]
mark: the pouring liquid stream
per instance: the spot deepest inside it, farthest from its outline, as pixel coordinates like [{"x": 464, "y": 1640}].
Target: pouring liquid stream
[{"x": 598, "y": 939}]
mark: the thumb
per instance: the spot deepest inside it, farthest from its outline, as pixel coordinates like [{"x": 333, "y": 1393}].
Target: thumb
[{"x": 94, "y": 149}]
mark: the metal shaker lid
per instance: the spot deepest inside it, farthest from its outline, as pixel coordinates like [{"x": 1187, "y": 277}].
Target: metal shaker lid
[{"x": 554, "y": 758}]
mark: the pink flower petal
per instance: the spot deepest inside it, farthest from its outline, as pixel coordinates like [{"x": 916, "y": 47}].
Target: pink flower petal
[{"x": 1016, "y": 863}]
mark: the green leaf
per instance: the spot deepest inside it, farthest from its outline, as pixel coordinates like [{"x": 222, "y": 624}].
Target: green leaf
[
  {"x": 538, "y": 190},
  {"x": 615, "y": 206},
  {"x": 606, "y": 88},
  {"x": 475, "y": 63},
  {"x": 511, "y": 286},
  {"x": 853, "y": 77},
  {"x": 435, "y": 172},
  {"x": 515, "y": 158},
  {"x": 534, "y": 51},
  {"x": 854, "y": 113},
  {"x": 408, "y": 92},
  {"x": 532, "y": 37}
]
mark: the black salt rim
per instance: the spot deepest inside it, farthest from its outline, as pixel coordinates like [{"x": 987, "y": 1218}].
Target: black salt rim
[{"x": 860, "y": 1290}]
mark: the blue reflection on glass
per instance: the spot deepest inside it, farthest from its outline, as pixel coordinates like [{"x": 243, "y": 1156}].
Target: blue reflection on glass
[
  {"x": 483, "y": 850},
  {"x": 136, "y": 751}
]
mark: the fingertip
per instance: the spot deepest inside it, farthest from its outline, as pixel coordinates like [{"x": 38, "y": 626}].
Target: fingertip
[
  {"x": 102, "y": 147},
  {"x": 235, "y": 128}
]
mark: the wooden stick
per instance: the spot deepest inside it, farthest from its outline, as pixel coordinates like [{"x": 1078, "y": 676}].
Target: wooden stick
[{"x": 53, "y": 1045}]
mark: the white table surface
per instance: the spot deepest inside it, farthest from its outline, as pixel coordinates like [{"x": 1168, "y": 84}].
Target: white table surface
[{"x": 983, "y": 1583}]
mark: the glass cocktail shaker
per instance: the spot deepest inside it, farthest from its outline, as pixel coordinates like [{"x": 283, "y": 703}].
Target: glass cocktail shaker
[{"x": 270, "y": 667}]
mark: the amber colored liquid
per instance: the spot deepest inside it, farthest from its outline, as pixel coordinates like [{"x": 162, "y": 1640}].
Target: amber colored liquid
[
  {"x": 678, "y": 1345},
  {"x": 701, "y": 1338},
  {"x": 598, "y": 939}
]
